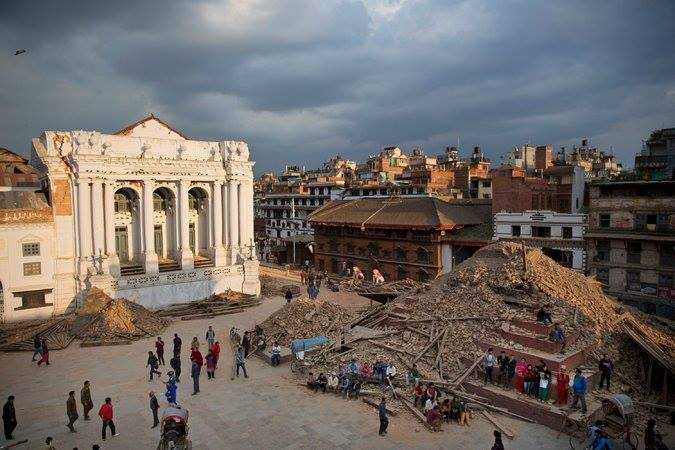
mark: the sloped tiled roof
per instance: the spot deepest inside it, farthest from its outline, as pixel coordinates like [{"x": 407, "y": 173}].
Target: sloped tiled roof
[
  {"x": 126, "y": 130},
  {"x": 408, "y": 212},
  {"x": 23, "y": 200}
]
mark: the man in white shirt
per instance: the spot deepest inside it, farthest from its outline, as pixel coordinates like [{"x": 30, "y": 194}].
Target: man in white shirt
[{"x": 489, "y": 363}]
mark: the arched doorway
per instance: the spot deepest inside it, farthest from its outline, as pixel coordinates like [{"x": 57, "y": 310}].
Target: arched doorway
[
  {"x": 198, "y": 221},
  {"x": 128, "y": 244},
  {"x": 165, "y": 224}
]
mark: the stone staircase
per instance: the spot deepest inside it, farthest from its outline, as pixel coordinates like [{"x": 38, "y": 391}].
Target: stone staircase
[
  {"x": 168, "y": 265},
  {"x": 202, "y": 261},
  {"x": 136, "y": 269},
  {"x": 529, "y": 340}
]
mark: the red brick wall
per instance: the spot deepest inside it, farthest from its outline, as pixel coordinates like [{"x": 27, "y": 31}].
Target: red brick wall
[{"x": 512, "y": 191}]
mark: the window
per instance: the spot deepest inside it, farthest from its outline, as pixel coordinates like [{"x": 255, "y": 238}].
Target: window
[
  {"x": 634, "y": 250},
  {"x": 423, "y": 255},
  {"x": 350, "y": 248},
  {"x": 667, "y": 255},
  {"x": 602, "y": 275},
  {"x": 334, "y": 247},
  {"x": 33, "y": 268},
  {"x": 602, "y": 250},
  {"x": 542, "y": 232},
  {"x": 567, "y": 232},
  {"x": 33, "y": 299},
  {"x": 515, "y": 230},
  {"x": 604, "y": 220},
  {"x": 158, "y": 202},
  {"x": 399, "y": 254},
  {"x": 122, "y": 203},
  {"x": 401, "y": 273},
  {"x": 651, "y": 222},
  {"x": 633, "y": 280},
  {"x": 30, "y": 249},
  {"x": 665, "y": 280},
  {"x": 373, "y": 249}
]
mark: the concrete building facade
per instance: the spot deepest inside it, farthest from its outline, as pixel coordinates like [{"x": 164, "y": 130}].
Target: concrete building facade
[
  {"x": 631, "y": 242},
  {"x": 146, "y": 214}
]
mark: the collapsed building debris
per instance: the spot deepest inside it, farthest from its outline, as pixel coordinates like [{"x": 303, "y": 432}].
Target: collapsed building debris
[
  {"x": 303, "y": 318},
  {"x": 491, "y": 300},
  {"x": 229, "y": 302}
]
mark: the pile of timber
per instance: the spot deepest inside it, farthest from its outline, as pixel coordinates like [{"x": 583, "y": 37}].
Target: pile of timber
[
  {"x": 108, "y": 321},
  {"x": 304, "y": 318},
  {"x": 366, "y": 287},
  {"x": 439, "y": 329},
  {"x": 216, "y": 305},
  {"x": 19, "y": 337}
]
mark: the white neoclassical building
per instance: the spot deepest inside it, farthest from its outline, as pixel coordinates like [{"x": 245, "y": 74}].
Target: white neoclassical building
[{"x": 147, "y": 214}]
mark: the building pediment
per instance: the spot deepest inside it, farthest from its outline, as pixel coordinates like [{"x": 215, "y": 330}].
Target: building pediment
[{"x": 151, "y": 127}]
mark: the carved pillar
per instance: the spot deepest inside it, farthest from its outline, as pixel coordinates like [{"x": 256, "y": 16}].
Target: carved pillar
[
  {"x": 246, "y": 214},
  {"x": 151, "y": 260},
  {"x": 113, "y": 260},
  {"x": 84, "y": 218},
  {"x": 186, "y": 256},
  {"x": 97, "y": 216},
  {"x": 217, "y": 202},
  {"x": 233, "y": 218}
]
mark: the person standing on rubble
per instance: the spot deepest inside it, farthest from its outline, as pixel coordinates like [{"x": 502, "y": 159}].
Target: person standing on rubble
[
  {"x": 159, "y": 346},
  {"x": 579, "y": 387},
  {"x": 563, "y": 382},
  {"x": 489, "y": 363},
  {"x": 85, "y": 398},
  {"x": 606, "y": 367}
]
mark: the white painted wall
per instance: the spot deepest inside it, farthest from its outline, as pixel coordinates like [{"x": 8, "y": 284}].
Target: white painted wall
[{"x": 12, "y": 236}]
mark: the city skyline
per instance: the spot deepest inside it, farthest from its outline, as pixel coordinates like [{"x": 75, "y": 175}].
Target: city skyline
[{"x": 301, "y": 82}]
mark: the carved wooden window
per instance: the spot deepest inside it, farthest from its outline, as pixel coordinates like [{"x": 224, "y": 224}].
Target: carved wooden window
[
  {"x": 31, "y": 269},
  {"x": 423, "y": 255},
  {"x": 30, "y": 249},
  {"x": 399, "y": 253}
]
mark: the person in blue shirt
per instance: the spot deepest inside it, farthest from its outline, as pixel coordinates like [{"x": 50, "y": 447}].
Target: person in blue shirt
[
  {"x": 601, "y": 442},
  {"x": 579, "y": 388}
]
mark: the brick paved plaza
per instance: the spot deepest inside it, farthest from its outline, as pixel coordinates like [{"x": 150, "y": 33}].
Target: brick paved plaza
[{"x": 266, "y": 411}]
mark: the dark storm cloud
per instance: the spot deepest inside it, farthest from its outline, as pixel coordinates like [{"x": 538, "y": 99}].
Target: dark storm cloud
[{"x": 302, "y": 79}]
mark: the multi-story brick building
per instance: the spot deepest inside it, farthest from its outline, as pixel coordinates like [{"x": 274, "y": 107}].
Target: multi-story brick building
[
  {"x": 631, "y": 242},
  {"x": 657, "y": 159},
  {"x": 542, "y": 211},
  {"x": 417, "y": 237}
]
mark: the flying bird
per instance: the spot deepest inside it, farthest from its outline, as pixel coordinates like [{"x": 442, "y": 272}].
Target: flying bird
[{"x": 18, "y": 52}]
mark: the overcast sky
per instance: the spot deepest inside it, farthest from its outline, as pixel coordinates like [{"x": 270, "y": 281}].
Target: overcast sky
[{"x": 300, "y": 80}]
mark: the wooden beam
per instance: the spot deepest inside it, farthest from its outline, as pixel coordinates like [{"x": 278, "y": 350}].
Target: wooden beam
[
  {"x": 428, "y": 347},
  {"x": 466, "y": 373},
  {"x": 503, "y": 428}
]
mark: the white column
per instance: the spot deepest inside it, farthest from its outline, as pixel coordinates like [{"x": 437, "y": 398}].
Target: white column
[
  {"x": 151, "y": 260},
  {"x": 218, "y": 250},
  {"x": 226, "y": 216},
  {"x": 246, "y": 211},
  {"x": 84, "y": 218},
  {"x": 186, "y": 256},
  {"x": 233, "y": 218},
  {"x": 97, "y": 216},
  {"x": 113, "y": 261}
]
